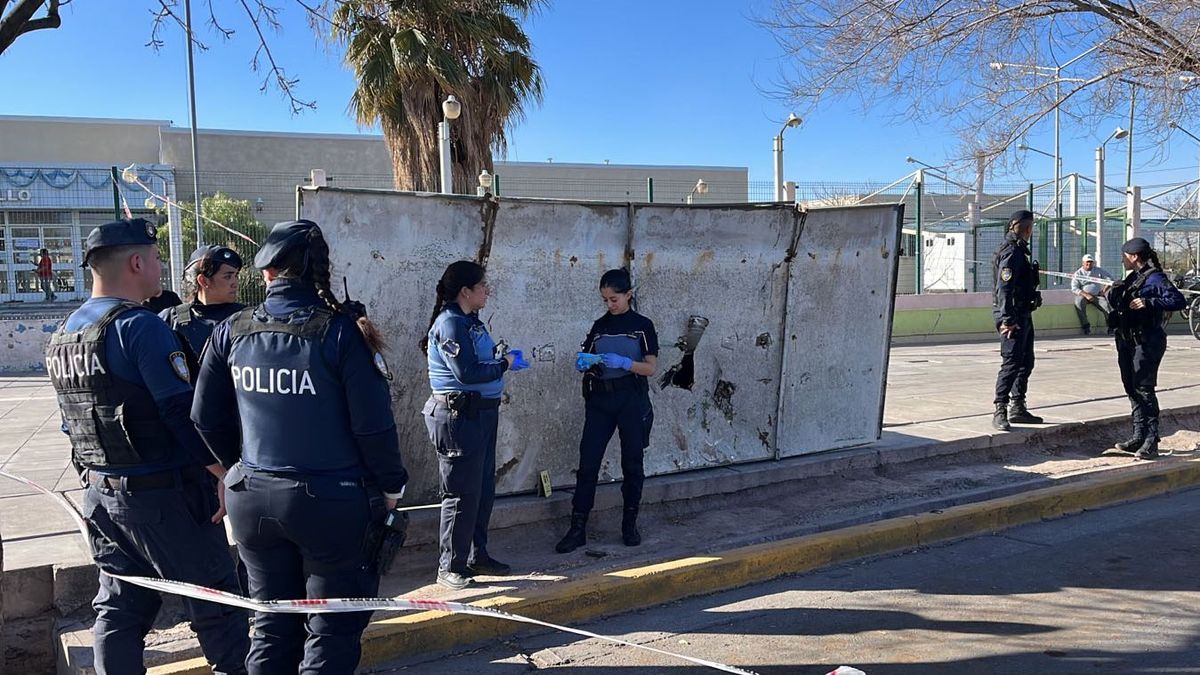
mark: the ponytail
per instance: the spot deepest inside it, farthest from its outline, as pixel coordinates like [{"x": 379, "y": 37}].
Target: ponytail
[
  {"x": 318, "y": 269},
  {"x": 458, "y": 275}
]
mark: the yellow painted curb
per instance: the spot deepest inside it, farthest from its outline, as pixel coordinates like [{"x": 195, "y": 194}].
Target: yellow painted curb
[{"x": 572, "y": 602}]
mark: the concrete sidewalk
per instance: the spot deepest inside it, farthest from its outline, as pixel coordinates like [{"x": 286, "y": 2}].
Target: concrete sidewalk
[{"x": 938, "y": 451}]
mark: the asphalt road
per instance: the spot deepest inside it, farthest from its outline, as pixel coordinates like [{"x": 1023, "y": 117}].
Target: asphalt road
[{"x": 1110, "y": 591}]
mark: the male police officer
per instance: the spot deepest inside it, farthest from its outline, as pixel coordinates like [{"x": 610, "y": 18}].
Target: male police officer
[
  {"x": 151, "y": 508},
  {"x": 1015, "y": 297}
]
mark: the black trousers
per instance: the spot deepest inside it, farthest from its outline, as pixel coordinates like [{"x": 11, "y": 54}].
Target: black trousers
[
  {"x": 1016, "y": 353},
  {"x": 628, "y": 412},
  {"x": 1139, "y": 375},
  {"x": 466, "y": 448},
  {"x": 166, "y": 533},
  {"x": 303, "y": 537}
]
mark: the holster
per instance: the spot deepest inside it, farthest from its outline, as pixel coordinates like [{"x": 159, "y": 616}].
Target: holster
[{"x": 384, "y": 540}]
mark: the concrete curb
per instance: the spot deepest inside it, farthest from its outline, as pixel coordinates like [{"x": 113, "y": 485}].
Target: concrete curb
[{"x": 601, "y": 595}]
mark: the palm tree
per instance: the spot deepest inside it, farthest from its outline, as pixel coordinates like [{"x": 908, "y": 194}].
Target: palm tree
[{"x": 409, "y": 55}]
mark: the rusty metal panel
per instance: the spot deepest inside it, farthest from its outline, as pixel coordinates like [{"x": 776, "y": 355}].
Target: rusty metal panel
[
  {"x": 544, "y": 266},
  {"x": 839, "y": 318},
  {"x": 726, "y": 264},
  {"x": 393, "y": 248}
]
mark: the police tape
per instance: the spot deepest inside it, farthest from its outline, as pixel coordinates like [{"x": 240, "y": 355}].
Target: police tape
[
  {"x": 337, "y": 605},
  {"x": 1091, "y": 280}
]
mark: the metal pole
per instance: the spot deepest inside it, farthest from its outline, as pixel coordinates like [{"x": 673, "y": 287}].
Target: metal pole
[
  {"x": 779, "y": 167},
  {"x": 920, "y": 241},
  {"x": 187, "y": 9},
  {"x": 496, "y": 185},
  {"x": 1100, "y": 206},
  {"x": 1058, "y": 210},
  {"x": 116, "y": 195},
  {"x": 1129, "y": 141},
  {"x": 976, "y": 215},
  {"x": 444, "y": 156},
  {"x": 650, "y": 189},
  {"x": 1073, "y": 209}
]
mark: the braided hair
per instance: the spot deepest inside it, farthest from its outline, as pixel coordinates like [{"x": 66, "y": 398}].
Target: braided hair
[
  {"x": 311, "y": 263},
  {"x": 458, "y": 275}
]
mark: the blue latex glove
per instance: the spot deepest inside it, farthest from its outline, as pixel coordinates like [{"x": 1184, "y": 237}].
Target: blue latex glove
[
  {"x": 617, "y": 361},
  {"x": 584, "y": 361},
  {"x": 519, "y": 362}
]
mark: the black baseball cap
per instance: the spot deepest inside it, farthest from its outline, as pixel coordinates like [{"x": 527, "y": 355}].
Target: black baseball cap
[
  {"x": 127, "y": 232},
  {"x": 1019, "y": 216},
  {"x": 1136, "y": 246},
  {"x": 217, "y": 256},
  {"x": 282, "y": 239}
]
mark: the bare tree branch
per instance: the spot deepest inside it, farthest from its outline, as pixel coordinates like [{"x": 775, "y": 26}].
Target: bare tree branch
[
  {"x": 20, "y": 20},
  {"x": 269, "y": 15},
  {"x": 928, "y": 60}
]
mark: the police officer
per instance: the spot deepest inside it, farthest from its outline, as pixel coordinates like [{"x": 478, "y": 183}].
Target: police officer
[
  {"x": 1015, "y": 298},
  {"x": 466, "y": 376},
  {"x": 211, "y": 280},
  {"x": 617, "y": 398},
  {"x": 293, "y": 396},
  {"x": 1138, "y": 304},
  {"x": 151, "y": 506}
]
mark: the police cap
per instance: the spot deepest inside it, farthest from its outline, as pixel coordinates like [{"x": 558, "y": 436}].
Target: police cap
[
  {"x": 1020, "y": 216},
  {"x": 127, "y": 232},
  {"x": 217, "y": 256},
  {"x": 282, "y": 239},
  {"x": 1136, "y": 246}
]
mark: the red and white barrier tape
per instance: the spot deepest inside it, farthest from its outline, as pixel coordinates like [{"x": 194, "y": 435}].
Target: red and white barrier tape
[{"x": 333, "y": 605}]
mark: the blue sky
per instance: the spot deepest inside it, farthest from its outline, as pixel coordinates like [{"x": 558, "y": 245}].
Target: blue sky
[{"x": 633, "y": 82}]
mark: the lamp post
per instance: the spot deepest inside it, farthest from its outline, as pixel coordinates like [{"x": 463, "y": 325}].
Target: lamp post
[
  {"x": 1119, "y": 133},
  {"x": 792, "y": 121},
  {"x": 700, "y": 188},
  {"x": 485, "y": 183},
  {"x": 451, "y": 109}
]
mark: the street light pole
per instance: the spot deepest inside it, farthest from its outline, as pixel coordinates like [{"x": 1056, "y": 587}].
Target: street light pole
[
  {"x": 187, "y": 13},
  {"x": 451, "y": 109},
  {"x": 792, "y": 121},
  {"x": 1119, "y": 133}
]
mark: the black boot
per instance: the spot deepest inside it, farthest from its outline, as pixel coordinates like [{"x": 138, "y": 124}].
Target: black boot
[
  {"x": 629, "y": 531},
  {"x": 1135, "y": 441},
  {"x": 1019, "y": 414},
  {"x": 1000, "y": 418},
  {"x": 576, "y": 535},
  {"x": 1149, "y": 447}
]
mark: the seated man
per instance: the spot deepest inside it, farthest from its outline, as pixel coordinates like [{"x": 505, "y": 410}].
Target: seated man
[{"x": 1087, "y": 287}]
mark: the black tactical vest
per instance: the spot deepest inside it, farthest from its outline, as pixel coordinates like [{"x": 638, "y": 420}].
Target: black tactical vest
[
  {"x": 112, "y": 423},
  {"x": 291, "y": 401}
]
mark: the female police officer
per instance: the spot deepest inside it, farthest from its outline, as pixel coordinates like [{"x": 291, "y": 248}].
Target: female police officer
[
  {"x": 298, "y": 397},
  {"x": 211, "y": 279},
  {"x": 466, "y": 375},
  {"x": 617, "y": 397},
  {"x": 1138, "y": 304}
]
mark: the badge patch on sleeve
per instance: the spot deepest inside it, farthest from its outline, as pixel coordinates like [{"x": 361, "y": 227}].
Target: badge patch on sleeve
[
  {"x": 450, "y": 348},
  {"x": 382, "y": 366},
  {"x": 179, "y": 365},
  {"x": 1006, "y": 274}
]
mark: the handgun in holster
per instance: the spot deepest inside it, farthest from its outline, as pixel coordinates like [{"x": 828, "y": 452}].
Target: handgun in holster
[{"x": 385, "y": 538}]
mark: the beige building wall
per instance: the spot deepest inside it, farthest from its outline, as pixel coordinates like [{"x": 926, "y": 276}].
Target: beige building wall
[{"x": 67, "y": 142}]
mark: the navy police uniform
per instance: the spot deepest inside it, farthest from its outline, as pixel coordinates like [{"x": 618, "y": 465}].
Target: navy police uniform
[
  {"x": 1015, "y": 298},
  {"x": 466, "y": 376},
  {"x": 1141, "y": 340},
  {"x": 122, "y": 387},
  {"x": 194, "y": 321},
  {"x": 615, "y": 400},
  {"x": 291, "y": 398}
]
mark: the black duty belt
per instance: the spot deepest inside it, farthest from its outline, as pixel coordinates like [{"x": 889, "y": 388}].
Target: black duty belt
[
  {"x": 151, "y": 481},
  {"x": 478, "y": 402},
  {"x": 595, "y": 384}
]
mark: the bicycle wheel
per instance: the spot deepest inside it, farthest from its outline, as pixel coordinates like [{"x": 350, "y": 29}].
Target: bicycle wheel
[{"x": 1194, "y": 317}]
